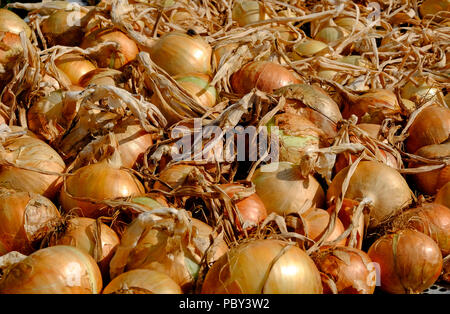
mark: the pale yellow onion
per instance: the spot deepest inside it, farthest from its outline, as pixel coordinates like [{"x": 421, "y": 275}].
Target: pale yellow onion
[
  {"x": 100, "y": 181},
  {"x": 36, "y": 155},
  {"x": 25, "y": 219},
  {"x": 375, "y": 182},
  {"x": 309, "y": 48},
  {"x": 142, "y": 281},
  {"x": 197, "y": 85},
  {"x": 53, "y": 270},
  {"x": 248, "y": 11},
  {"x": 263, "y": 266},
  {"x": 283, "y": 189},
  {"x": 349, "y": 23},
  {"x": 181, "y": 53},
  {"x": 82, "y": 233},
  {"x": 58, "y": 30},
  {"x": 330, "y": 34},
  {"x": 421, "y": 92},
  {"x": 12, "y": 23},
  {"x": 74, "y": 66}
]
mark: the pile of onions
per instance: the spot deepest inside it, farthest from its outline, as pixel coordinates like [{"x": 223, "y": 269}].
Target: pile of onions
[
  {"x": 374, "y": 182},
  {"x": 266, "y": 76},
  {"x": 317, "y": 223},
  {"x": 431, "y": 219},
  {"x": 251, "y": 208},
  {"x": 443, "y": 195},
  {"x": 350, "y": 269},
  {"x": 182, "y": 53},
  {"x": 248, "y": 11},
  {"x": 85, "y": 189},
  {"x": 89, "y": 235},
  {"x": 33, "y": 166},
  {"x": 430, "y": 126},
  {"x": 263, "y": 267},
  {"x": 142, "y": 281},
  {"x": 111, "y": 57},
  {"x": 283, "y": 189},
  {"x": 409, "y": 261},
  {"x": 169, "y": 241},
  {"x": 73, "y": 66},
  {"x": 58, "y": 269},
  {"x": 25, "y": 219}
]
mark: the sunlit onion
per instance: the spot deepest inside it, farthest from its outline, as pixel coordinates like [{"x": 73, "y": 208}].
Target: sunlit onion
[
  {"x": 309, "y": 47},
  {"x": 10, "y": 51},
  {"x": 409, "y": 261},
  {"x": 431, "y": 7},
  {"x": 173, "y": 176},
  {"x": 263, "y": 266},
  {"x": 54, "y": 270},
  {"x": 12, "y": 23},
  {"x": 248, "y": 11},
  {"x": 374, "y": 182},
  {"x": 60, "y": 28},
  {"x": 25, "y": 219},
  {"x": 351, "y": 269},
  {"x": 142, "y": 281},
  {"x": 443, "y": 195},
  {"x": 316, "y": 224},
  {"x": 283, "y": 189},
  {"x": 100, "y": 76},
  {"x": 197, "y": 85},
  {"x": 74, "y": 66}
]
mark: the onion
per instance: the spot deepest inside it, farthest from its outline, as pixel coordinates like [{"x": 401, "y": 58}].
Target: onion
[
  {"x": 330, "y": 34},
  {"x": 142, "y": 281},
  {"x": 197, "y": 85},
  {"x": 174, "y": 176},
  {"x": 309, "y": 48},
  {"x": 431, "y": 219},
  {"x": 58, "y": 30},
  {"x": 74, "y": 66},
  {"x": 430, "y": 126},
  {"x": 10, "y": 22},
  {"x": 433, "y": 7},
  {"x": 25, "y": 219},
  {"x": 409, "y": 261},
  {"x": 350, "y": 269},
  {"x": 247, "y": 11},
  {"x": 182, "y": 53},
  {"x": 111, "y": 57},
  {"x": 43, "y": 166},
  {"x": 10, "y": 50},
  {"x": 100, "y": 76},
  {"x": 431, "y": 181},
  {"x": 283, "y": 189},
  {"x": 263, "y": 266},
  {"x": 85, "y": 189},
  {"x": 95, "y": 238},
  {"x": 54, "y": 270},
  {"x": 169, "y": 241},
  {"x": 443, "y": 195},
  {"x": 349, "y": 24},
  {"x": 263, "y": 75},
  {"x": 251, "y": 208},
  {"x": 375, "y": 182},
  {"x": 316, "y": 224},
  {"x": 422, "y": 92}
]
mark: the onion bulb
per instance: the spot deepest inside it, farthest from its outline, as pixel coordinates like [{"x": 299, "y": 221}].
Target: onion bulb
[
  {"x": 111, "y": 57},
  {"x": 85, "y": 189},
  {"x": 251, "y": 208},
  {"x": 33, "y": 166},
  {"x": 431, "y": 7},
  {"x": 100, "y": 76},
  {"x": 421, "y": 92},
  {"x": 142, "y": 281},
  {"x": 263, "y": 267},
  {"x": 283, "y": 189},
  {"x": 197, "y": 85},
  {"x": 374, "y": 182},
  {"x": 309, "y": 48},
  {"x": 53, "y": 270},
  {"x": 10, "y": 22},
  {"x": 58, "y": 30},
  {"x": 431, "y": 219},
  {"x": 169, "y": 241},
  {"x": 443, "y": 195},
  {"x": 330, "y": 34},
  {"x": 248, "y": 11},
  {"x": 182, "y": 53},
  {"x": 10, "y": 50},
  {"x": 95, "y": 238},
  {"x": 316, "y": 224},
  {"x": 430, "y": 126},
  {"x": 25, "y": 219},
  {"x": 351, "y": 269},
  {"x": 409, "y": 261},
  {"x": 74, "y": 66},
  {"x": 173, "y": 176},
  {"x": 263, "y": 75}
]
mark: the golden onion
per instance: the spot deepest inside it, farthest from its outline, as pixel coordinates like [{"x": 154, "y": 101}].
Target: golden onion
[
  {"x": 197, "y": 85},
  {"x": 248, "y": 11},
  {"x": 443, "y": 195},
  {"x": 10, "y": 22},
  {"x": 58, "y": 30},
  {"x": 74, "y": 66}
]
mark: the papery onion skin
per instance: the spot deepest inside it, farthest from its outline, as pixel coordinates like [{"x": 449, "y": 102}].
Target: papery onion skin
[
  {"x": 53, "y": 270},
  {"x": 80, "y": 232},
  {"x": 27, "y": 151},
  {"x": 283, "y": 189},
  {"x": 10, "y": 50},
  {"x": 434, "y": 6},
  {"x": 266, "y": 76},
  {"x": 100, "y": 76},
  {"x": 174, "y": 176},
  {"x": 316, "y": 224},
  {"x": 443, "y": 195},
  {"x": 375, "y": 182},
  {"x": 181, "y": 53},
  {"x": 12, "y": 23},
  {"x": 309, "y": 48},
  {"x": 114, "y": 58},
  {"x": 248, "y": 11},
  {"x": 58, "y": 30},
  {"x": 259, "y": 267},
  {"x": 351, "y": 269},
  {"x": 431, "y": 219},
  {"x": 74, "y": 66},
  {"x": 142, "y": 281},
  {"x": 25, "y": 219},
  {"x": 197, "y": 85},
  {"x": 409, "y": 261},
  {"x": 99, "y": 182},
  {"x": 430, "y": 126}
]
